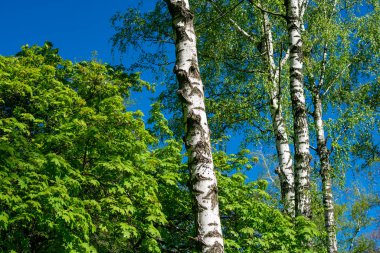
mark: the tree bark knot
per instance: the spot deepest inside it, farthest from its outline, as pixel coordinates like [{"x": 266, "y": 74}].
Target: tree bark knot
[
  {"x": 194, "y": 70},
  {"x": 182, "y": 76},
  {"x": 213, "y": 195},
  {"x": 200, "y": 177},
  {"x": 216, "y": 248},
  {"x": 193, "y": 119},
  {"x": 197, "y": 91},
  {"x": 213, "y": 233},
  {"x": 296, "y": 48},
  {"x": 183, "y": 97},
  {"x": 181, "y": 34},
  {"x": 178, "y": 8}
]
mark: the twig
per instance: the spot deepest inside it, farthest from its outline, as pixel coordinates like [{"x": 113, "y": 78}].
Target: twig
[{"x": 269, "y": 12}]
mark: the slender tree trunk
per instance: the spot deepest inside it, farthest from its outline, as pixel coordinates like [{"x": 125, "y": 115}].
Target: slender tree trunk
[
  {"x": 197, "y": 133},
  {"x": 323, "y": 153},
  {"x": 301, "y": 131},
  {"x": 285, "y": 168}
]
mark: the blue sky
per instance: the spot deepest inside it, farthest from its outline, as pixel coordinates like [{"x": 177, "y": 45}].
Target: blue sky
[{"x": 77, "y": 28}]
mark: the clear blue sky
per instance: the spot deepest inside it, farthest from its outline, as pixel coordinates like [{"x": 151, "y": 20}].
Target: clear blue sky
[{"x": 76, "y": 27}]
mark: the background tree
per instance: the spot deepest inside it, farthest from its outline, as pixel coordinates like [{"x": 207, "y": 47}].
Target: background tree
[{"x": 77, "y": 172}]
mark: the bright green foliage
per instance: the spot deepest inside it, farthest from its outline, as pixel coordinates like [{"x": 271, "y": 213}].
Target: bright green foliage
[
  {"x": 76, "y": 171},
  {"x": 80, "y": 173},
  {"x": 251, "y": 223},
  {"x": 235, "y": 75}
]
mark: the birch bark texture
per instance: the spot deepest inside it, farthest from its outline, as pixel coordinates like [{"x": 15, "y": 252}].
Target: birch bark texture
[
  {"x": 323, "y": 153},
  {"x": 301, "y": 130},
  {"x": 324, "y": 157},
  {"x": 197, "y": 133},
  {"x": 285, "y": 168}
]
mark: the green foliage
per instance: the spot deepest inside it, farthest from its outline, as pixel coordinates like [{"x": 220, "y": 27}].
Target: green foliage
[
  {"x": 235, "y": 75},
  {"x": 77, "y": 173},
  {"x": 250, "y": 222}
]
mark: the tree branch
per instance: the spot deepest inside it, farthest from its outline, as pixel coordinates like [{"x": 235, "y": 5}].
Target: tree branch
[
  {"x": 269, "y": 12},
  {"x": 221, "y": 16},
  {"x": 241, "y": 30}
]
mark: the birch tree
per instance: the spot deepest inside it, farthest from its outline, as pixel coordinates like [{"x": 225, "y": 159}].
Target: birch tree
[
  {"x": 197, "y": 134},
  {"x": 329, "y": 72},
  {"x": 326, "y": 169},
  {"x": 285, "y": 169},
  {"x": 294, "y": 17},
  {"x": 322, "y": 149}
]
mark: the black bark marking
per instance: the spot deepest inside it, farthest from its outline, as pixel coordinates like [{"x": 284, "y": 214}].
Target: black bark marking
[
  {"x": 178, "y": 9},
  {"x": 181, "y": 34},
  {"x": 213, "y": 195},
  {"x": 213, "y": 233},
  {"x": 201, "y": 208},
  {"x": 182, "y": 76},
  {"x": 199, "y": 108},
  {"x": 197, "y": 192},
  {"x": 194, "y": 70},
  {"x": 197, "y": 91},
  {"x": 200, "y": 177},
  {"x": 183, "y": 97},
  {"x": 297, "y": 74},
  {"x": 216, "y": 248}
]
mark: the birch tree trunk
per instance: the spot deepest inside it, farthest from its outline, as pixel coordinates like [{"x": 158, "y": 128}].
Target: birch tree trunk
[
  {"x": 197, "y": 133},
  {"x": 323, "y": 153},
  {"x": 285, "y": 168},
  {"x": 301, "y": 131}
]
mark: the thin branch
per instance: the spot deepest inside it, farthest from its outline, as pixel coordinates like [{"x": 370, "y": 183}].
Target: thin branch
[
  {"x": 221, "y": 16},
  {"x": 278, "y": 73},
  {"x": 323, "y": 67},
  {"x": 286, "y": 57},
  {"x": 341, "y": 133},
  {"x": 244, "y": 70},
  {"x": 342, "y": 71},
  {"x": 269, "y": 12},
  {"x": 241, "y": 30},
  {"x": 313, "y": 148},
  {"x": 336, "y": 78}
]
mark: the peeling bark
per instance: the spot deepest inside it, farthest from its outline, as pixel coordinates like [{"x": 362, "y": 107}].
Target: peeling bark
[
  {"x": 285, "y": 168},
  {"x": 301, "y": 131},
  {"x": 197, "y": 134}
]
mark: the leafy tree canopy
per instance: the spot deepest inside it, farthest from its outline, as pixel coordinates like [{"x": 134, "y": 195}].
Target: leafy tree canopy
[{"x": 81, "y": 173}]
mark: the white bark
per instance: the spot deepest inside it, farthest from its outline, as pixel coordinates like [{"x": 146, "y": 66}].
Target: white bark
[
  {"x": 285, "y": 169},
  {"x": 323, "y": 153},
  {"x": 326, "y": 170},
  {"x": 197, "y": 133},
  {"x": 301, "y": 131}
]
